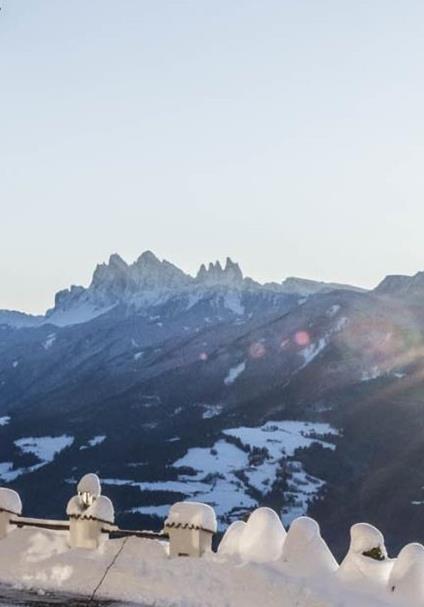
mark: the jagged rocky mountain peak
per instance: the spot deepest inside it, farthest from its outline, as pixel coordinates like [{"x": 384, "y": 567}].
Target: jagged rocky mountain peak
[
  {"x": 216, "y": 275},
  {"x": 65, "y": 294},
  {"x": 117, "y": 262},
  {"x": 150, "y": 282},
  {"x": 109, "y": 274},
  {"x": 202, "y": 273},
  {"x": 148, "y": 258},
  {"x": 233, "y": 269}
]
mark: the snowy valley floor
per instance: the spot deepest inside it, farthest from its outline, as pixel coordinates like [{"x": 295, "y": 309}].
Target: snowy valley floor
[{"x": 40, "y": 561}]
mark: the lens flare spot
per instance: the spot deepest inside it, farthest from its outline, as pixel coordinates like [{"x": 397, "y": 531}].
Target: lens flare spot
[
  {"x": 302, "y": 338},
  {"x": 257, "y": 350}
]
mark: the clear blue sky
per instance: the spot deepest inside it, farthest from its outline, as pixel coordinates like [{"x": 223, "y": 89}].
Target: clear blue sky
[{"x": 286, "y": 134}]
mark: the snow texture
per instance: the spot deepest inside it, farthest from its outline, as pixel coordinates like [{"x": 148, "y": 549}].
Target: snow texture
[
  {"x": 234, "y": 373},
  {"x": 305, "y": 551},
  {"x": 93, "y": 442},
  {"x": 371, "y": 374},
  {"x": 90, "y": 483},
  {"x": 10, "y": 501},
  {"x": 230, "y": 543},
  {"x": 358, "y": 568},
  {"x": 210, "y": 411},
  {"x": 75, "y": 506},
  {"x": 281, "y": 440},
  {"x": 216, "y": 478},
  {"x": 262, "y": 538},
  {"x": 312, "y": 351},
  {"x": 406, "y": 580},
  {"x": 101, "y": 509},
  {"x": 47, "y": 344},
  {"x": 45, "y": 448},
  {"x": 158, "y": 511},
  {"x": 78, "y": 314},
  {"x": 333, "y": 310},
  {"x": 193, "y": 514},
  {"x": 138, "y": 571},
  {"x": 232, "y": 301}
]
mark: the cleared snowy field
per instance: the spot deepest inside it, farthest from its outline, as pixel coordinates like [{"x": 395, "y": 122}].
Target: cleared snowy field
[
  {"x": 229, "y": 479},
  {"x": 45, "y": 449}
]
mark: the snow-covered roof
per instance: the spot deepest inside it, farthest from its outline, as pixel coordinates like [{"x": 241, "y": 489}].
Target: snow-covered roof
[
  {"x": 10, "y": 501},
  {"x": 75, "y": 506},
  {"x": 193, "y": 515},
  {"x": 90, "y": 483},
  {"x": 102, "y": 510}
]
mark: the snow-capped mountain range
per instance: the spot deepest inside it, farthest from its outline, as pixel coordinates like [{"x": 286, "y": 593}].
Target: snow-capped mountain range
[
  {"x": 303, "y": 396},
  {"x": 150, "y": 282}
]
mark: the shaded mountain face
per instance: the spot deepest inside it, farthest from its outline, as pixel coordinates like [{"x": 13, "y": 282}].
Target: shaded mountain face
[
  {"x": 410, "y": 287},
  {"x": 219, "y": 389}
]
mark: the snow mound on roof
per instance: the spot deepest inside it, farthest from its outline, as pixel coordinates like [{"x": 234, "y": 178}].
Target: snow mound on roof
[
  {"x": 90, "y": 483},
  {"x": 357, "y": 566},
  {"x": 230, "y": 543},
  {"x": 305, "y": 551},
  {"x": 10, "y": 501},
  {"x": 407, "y": 577},
  {"x": 100, "y": 510},
  {"x": 263, "y": 537},
  {"x": 193, "y": 514},
  {"x": 74, "y": 506},
  {"x": 365, "y": 537}
]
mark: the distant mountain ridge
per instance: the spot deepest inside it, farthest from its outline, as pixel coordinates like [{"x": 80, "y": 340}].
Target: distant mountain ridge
[
  {"x": 149, "y": 282},
  {"x": 400, "y": 285}
]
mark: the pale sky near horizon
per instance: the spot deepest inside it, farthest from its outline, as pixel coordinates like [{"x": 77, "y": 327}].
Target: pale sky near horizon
[{"x": 286, "y": 134}]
